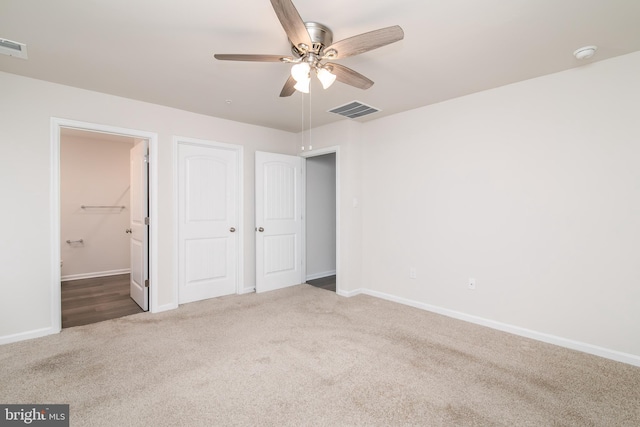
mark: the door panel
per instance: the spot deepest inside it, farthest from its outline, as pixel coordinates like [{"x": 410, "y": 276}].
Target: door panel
[
  {"x": 199, "y": 253},
  {"x": 207, "y": 187},
  {"x": 139, "y": 240},
  {"x": 279, "y": 216},
  {"x": 279, "y": 253}
]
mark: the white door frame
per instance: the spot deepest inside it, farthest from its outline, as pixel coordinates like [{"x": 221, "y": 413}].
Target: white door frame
[
  {"x": 320, "y": 152},
  {"x": 177, "y": 140},
  {"x": 56, "y": 126}
]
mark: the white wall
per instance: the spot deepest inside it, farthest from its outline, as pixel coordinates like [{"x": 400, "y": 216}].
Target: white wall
[
  {"x": 26, "y": 108},
  {"x": 533, "y": 189},
  {"x": 320, "y": 218},
  {"x": 94, "y": 172},
  {"x": 530, "y": 188}
]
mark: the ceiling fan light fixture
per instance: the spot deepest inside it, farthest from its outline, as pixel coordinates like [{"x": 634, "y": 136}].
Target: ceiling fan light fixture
[
  {"x": 300, "y": 72},
  {"x": 325, "y": 77},
  {"x": 303, "y": 85}
]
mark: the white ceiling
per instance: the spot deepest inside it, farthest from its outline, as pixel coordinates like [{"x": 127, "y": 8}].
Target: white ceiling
[{"x": 161, "y": 51}]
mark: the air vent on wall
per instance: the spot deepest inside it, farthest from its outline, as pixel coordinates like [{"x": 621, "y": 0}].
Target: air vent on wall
[
  {"x": 11, "y": 48},
  {"x": 354, "y": 109}
]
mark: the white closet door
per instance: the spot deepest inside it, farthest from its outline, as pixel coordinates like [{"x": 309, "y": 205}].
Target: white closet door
[
  {"x": 278, "y": 221},
  {"x": 138, "y": 228},
  {"x": 208, "y": 214}
]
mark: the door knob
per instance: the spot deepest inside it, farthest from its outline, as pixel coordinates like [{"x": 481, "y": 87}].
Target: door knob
[
  {"x": 261, "y": 229},
  {"x": 128, "y": 230},
  {"x": 232, "y": 229}
]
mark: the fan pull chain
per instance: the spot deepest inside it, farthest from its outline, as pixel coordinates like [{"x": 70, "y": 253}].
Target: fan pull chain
[
  {"x": 309, "y": 139},
  {"x": 302, "y": 123}
]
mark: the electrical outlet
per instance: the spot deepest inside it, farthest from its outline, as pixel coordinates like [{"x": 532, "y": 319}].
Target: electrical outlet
[
  {"x": 413, "y": 274},
  {"x": 472, "y": 283}
]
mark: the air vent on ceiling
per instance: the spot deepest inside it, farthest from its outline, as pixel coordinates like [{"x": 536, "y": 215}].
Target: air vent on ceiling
[
  {"x": 11, "y": 48},
  {"x": 354, "y": 109}
]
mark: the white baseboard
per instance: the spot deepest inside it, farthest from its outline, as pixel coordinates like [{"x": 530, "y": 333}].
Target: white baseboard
[
  {"x": 349, "y": 294},
  {"x": 618, "y": 356},
  {"x": 95, "y": 274},
  {"x": 37, "y": 333},
  {"x": 314, "y": 276},
  {"x": 247, "y": 291}
]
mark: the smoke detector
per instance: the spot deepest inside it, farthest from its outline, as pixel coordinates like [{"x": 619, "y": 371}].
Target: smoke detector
[{"x": 585, "y": 52}]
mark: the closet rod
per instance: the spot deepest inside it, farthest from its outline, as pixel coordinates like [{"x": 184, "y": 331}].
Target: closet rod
[{"x": 101, "y": 206}]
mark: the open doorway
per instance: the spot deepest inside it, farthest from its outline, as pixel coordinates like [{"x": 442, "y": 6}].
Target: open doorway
[
  {"x": 320, "y": 221},
  {"x": 286, "y": 239},
  {"x": 150, "y": 202},
  {"x": 98, "y": 198}
]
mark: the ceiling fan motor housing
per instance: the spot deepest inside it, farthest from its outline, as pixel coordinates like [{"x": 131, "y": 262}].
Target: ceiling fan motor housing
[{"x": 321, "y": 36}]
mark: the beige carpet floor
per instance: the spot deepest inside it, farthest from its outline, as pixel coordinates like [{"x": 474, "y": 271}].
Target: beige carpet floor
[{"x": 303, "y": 356}]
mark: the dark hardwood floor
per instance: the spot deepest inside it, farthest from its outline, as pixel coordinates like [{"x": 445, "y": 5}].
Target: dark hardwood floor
[
  {"x": 328, "y": 283},
  {"x": 94, "y": 300}
]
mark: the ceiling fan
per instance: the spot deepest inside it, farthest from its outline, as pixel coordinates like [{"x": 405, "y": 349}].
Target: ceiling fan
[{"x": 311, "y": 44}]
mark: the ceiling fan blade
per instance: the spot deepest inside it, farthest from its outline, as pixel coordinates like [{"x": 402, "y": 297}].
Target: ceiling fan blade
[
  {"x": 288, "y": 88},
  {"x": 292, "y": 22},
  {"x": 348, "y": 76},
  {"x": 364, "y": 42},
  {"x": 258, "y": 58}
]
